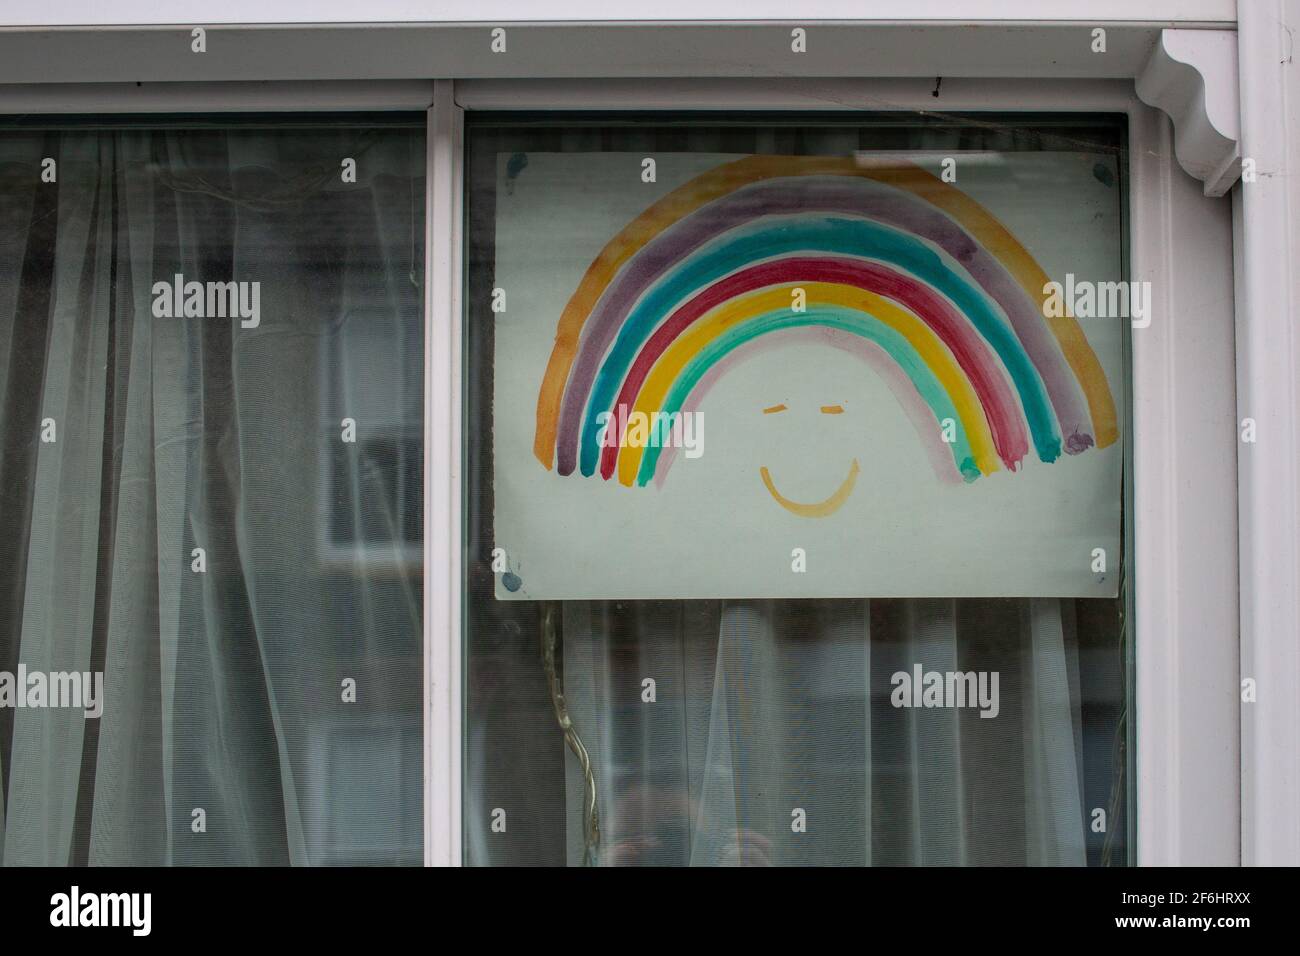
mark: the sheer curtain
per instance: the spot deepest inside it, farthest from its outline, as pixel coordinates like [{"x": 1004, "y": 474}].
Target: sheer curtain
[
  {"x": 176, "y": 533},
  {"x": 772, "y": 709}
]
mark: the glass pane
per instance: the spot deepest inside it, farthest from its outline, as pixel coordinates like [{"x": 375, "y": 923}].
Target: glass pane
[
  {"x": 211, "y": 409},
  {"x": 875, "y": 613}
]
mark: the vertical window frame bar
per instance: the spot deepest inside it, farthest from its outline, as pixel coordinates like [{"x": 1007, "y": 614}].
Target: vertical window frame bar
[{"x": 442, "y": 488}]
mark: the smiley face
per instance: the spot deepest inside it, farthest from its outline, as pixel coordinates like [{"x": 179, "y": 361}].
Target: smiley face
[{"x": 815, "y": 509}]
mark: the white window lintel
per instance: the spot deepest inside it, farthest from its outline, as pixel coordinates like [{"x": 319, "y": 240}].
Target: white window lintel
[{"x": 1192, "y": 76}]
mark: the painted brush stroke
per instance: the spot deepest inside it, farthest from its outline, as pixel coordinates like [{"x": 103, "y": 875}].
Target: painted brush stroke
[
  {"x": 918, "y": 412},
  {"x": 887, "y": 254}
]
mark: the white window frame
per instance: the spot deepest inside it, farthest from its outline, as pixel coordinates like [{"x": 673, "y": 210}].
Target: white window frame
[
  {"x": 1189, "y": 757},
  {"x": 1184, "y": 629}
]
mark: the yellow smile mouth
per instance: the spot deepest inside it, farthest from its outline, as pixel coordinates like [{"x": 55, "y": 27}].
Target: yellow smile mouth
[{"x": 818, "y": 509}]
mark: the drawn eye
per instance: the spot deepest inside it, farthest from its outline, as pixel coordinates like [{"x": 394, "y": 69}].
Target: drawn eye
[
  {"x": 773, "y": 409},
  {"x": 832, "y": 409}
]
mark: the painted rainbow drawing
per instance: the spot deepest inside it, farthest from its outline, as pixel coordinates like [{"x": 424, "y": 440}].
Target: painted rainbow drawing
[{"x": 704, "y": 279}]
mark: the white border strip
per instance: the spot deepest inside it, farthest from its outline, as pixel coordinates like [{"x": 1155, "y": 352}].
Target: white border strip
[
  {"x": 78, "y": 12},
  {"x": 1268, "y": 355},
  {"x": 442, "y": 521},
  {"x": 1187, "y": 733}
]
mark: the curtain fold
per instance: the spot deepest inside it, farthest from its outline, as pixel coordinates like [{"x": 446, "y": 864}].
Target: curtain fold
[
  {"x": 1053, "y": 788},
  {"x": 771, "y": 738},
  {"x": 26, "y": 229},
  {"x": 59, "y": 599}
]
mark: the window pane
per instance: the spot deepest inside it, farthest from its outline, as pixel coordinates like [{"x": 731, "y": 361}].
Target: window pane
[
  {"x": 874, "y": 613},
  {"x": 211, "y": 412}
]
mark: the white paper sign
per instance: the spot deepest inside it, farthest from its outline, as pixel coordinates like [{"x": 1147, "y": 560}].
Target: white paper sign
[{"x": 774, "y": 376}]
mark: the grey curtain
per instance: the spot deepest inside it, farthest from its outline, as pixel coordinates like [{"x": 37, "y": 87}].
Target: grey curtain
[{"x": 226, "y": 736}]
